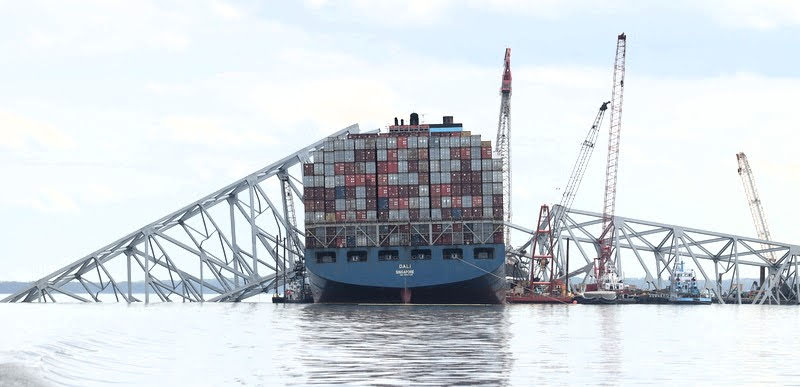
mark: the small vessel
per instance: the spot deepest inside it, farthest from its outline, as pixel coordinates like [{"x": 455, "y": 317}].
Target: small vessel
[
  {"x": 609, "y": 290},
  {"x": 539, "y": 293},
  {"x": 684, "y": 290}
]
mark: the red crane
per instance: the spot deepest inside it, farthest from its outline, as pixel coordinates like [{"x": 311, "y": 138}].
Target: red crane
[{"x": 605, "y": 264}]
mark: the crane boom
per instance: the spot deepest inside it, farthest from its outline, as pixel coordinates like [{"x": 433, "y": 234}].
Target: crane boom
[
  {"x": 578, "y": 170},
  {"x": 753, "y": 201},
  {"x": 610, "y": 197},
  {"x": 503, "y": 140}
]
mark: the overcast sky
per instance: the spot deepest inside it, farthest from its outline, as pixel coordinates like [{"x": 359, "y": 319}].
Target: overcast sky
[{"x": 113, "y": 113}]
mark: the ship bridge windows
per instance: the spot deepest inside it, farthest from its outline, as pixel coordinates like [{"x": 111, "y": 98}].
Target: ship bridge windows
[
  {"x": 453, "y": 254},
  {"x": 388, "y": 255},
  {"x": 326, "y": 257},
  {"x": 484, "y": 253},
  {"x": 356, "y": 256},
  {"x": 420, "y": 254}
]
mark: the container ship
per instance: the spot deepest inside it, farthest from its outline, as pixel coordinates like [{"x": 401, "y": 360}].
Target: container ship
[{"x": 412, "y": 215}]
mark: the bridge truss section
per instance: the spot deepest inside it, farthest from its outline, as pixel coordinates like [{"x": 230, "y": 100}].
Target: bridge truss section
[
  {"x": 726, "y": 265},
  {"x": 237, "y": 242}
]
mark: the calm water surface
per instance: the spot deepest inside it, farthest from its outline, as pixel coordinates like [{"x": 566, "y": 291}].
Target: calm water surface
[{"x": 266, "y": 344}]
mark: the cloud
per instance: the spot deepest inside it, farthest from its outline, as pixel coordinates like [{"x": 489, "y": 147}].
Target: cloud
[{"x": 20, "y": 133}]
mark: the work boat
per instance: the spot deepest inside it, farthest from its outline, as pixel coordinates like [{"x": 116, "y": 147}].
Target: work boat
[
  {"x": 684, "y": 290},
  {"x": 608, "y": 290}
]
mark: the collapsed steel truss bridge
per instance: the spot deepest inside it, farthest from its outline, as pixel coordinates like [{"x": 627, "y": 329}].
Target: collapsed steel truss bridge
[{"x": 244, "y": 240}]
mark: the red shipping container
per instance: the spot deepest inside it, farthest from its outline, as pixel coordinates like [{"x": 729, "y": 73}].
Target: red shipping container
[
  {"x": 349, "y": 168},
  {"x": 413, "y": 167},
  {"x": 392, "y": 167},
  {"x": 403, "y": 203},
  {"x": 361, "y": 215},
  {"x": 458, "y": 227},
  {"x": 394, "y": 203},
  {"x": 361, "y": 180},
  {"x": 422, "y": 153},
  {"x": 464, "y": 153},
  {"x": 498, "y": 213},
  {"x": 476, "y": 188},
  {"x": 391, "y": 155},
  {"x": 394, "y": 191},
  {"x": 383, "y": 179},
  {"x": 383, "y": 167},
  {"x": 383, "y": 191},
  {"x": 497, "y": 201},
  {"x": 447, "y": 189},
  {"x": 338, "y": 168},
  {"x": 477, "y": 201},
  {"x": 437, "y": 228},
  {"x": 436, "y": 202},
  {"x": 457, "y": 201},
  {"x": 350, "y": 181},
  {"x": 308, "y": 169},
  {"x": 486, "y": 152},
  {"x": 498, "y": 237},
  {"x": 413, "y": 191},
  {"x": 402, "y": 142},
  {"x": 455, "y": 177},
  {"x": 372, "y": 180},
  {"x": 456, "y": 189},
  {"x": 341, "y": 217},
  {"x": 455, "y": 153},
  {"x": 350, "y": 192}
]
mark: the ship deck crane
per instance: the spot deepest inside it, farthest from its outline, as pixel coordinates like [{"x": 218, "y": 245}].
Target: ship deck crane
[
  {"x": 605, "y": 264},
  {"x": 504, "y": 141}
]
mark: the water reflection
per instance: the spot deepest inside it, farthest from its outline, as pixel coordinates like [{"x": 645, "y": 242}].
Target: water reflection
[{"x": 405, "y": 344}]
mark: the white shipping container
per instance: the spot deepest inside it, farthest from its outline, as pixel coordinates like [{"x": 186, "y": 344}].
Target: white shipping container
[
  {"x": 497, "y": 188},
  {"x": 447, "y": 202},
  {"x": 341, "y": 205},
  {"x": 466, "y": 201},
  {"x": 424, "y": 202},
  {"x": 319, "y": 181},
  {"x": 393, "y": 179},
  {"x": 329, "y": 170},
  {"x": 455, "y": 165},
  {"x": 435, "y": 178},
  {"x": 380, "y": 143},
  {"x": 391, "y": 142},
  {"x": 423, "y": 190},
  {"x": 436, "y": 213},
  {"x": 402, "y": 166},
  {"x": 361, "y": 192},
  {"x": 433, "y": 166},
  {"x": 330, "y": 182},
  {"x": 380, "y": 154}
]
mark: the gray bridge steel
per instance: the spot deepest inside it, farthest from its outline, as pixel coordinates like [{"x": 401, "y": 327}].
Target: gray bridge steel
[{"x": 227, "y": 247}]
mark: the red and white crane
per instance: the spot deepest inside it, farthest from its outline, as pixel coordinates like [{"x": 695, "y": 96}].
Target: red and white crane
[
  {"x": 503, "y": 142},
  {"x": 605, "y": 264}
]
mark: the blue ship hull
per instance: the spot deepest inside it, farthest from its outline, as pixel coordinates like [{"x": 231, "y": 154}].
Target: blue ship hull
[{"x": 434, "y": 279}]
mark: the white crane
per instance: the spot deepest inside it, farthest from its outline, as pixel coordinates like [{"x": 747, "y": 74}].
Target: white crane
[
  {"x": 754, "y": 202},
  {"x": 503, "y": 140}
]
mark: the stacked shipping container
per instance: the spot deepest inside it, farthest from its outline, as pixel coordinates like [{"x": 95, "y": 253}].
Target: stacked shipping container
[{"x": 398, "y": 189}]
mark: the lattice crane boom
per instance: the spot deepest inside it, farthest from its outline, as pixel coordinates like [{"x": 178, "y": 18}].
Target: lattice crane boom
[
  {"x": 504, "y": 139},
  {"x": 579, "y": 169},
  {"x": 753, "y": 200},
  {"x": 610, "y": 196}
]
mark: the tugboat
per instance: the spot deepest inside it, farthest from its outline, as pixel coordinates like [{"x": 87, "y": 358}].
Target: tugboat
[
  {"x": 608, "y": 290},
  {"x": 684, "y": 288}
]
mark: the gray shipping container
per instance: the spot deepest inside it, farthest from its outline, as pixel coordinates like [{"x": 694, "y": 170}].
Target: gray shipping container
[
  {"x": 338, "y": 145},
  {"x": 445, "y": 177},
  {"x": 393, "y": 179},
  {"x": 361, "y": 204},
  {"x": 402, "y": 166},
  {"x": 435, "y": 178},
  {"x": 497, "y": 177},
  {"x": 413, "y": 203},
  {"x": 391, "y": 142},
  {"x": 350, "y": 216},
  {"x": 341, "y": 205},
  {"x": 444, "y": 153},
  {"x": 424, "y": 190},
  {"x": 349, "y": 156},
  {"x": 319, "y": 181},
  {"x": 433, "y": 166},
  {"x": 330, "y": 158},
  {"x": 497, "y": 188},
  {"x": 361, "y": 193},
  {"x": 339, "y": 179},
  {"x": 455, "y": 165},
  {"x": 308, "y": 181},
  {"x": 372, "y": 215},
  {"x": 412, "y": 143},
  {"x": 444, "y": 166},
  {"x": 329, "y": 170},
  {"x": 349, "y": 144},
  {"x": 338, "y": 156},
  {"x": 402, "y": 179},
  {"x": 497, "y": 164},
  {"x": 380, "y": 143},
  {"x": 330, "y": 182},
  {"x": 475, "y": 165},
  {"x": 447, "y": 202},
  {"x": 424, "y": 202},
  {"x": 370, "y": 167},
  {"x": 436, "y": 213},
  {"x": 402, "y": 154},
  {"x": 466, "y": 201},
  {"x": 380, "y": 154}
]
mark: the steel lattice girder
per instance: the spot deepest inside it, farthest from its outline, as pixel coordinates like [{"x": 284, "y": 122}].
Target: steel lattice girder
[
  {"x": 656, "y": 247},
  {"x": 175, "y": 254}
]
